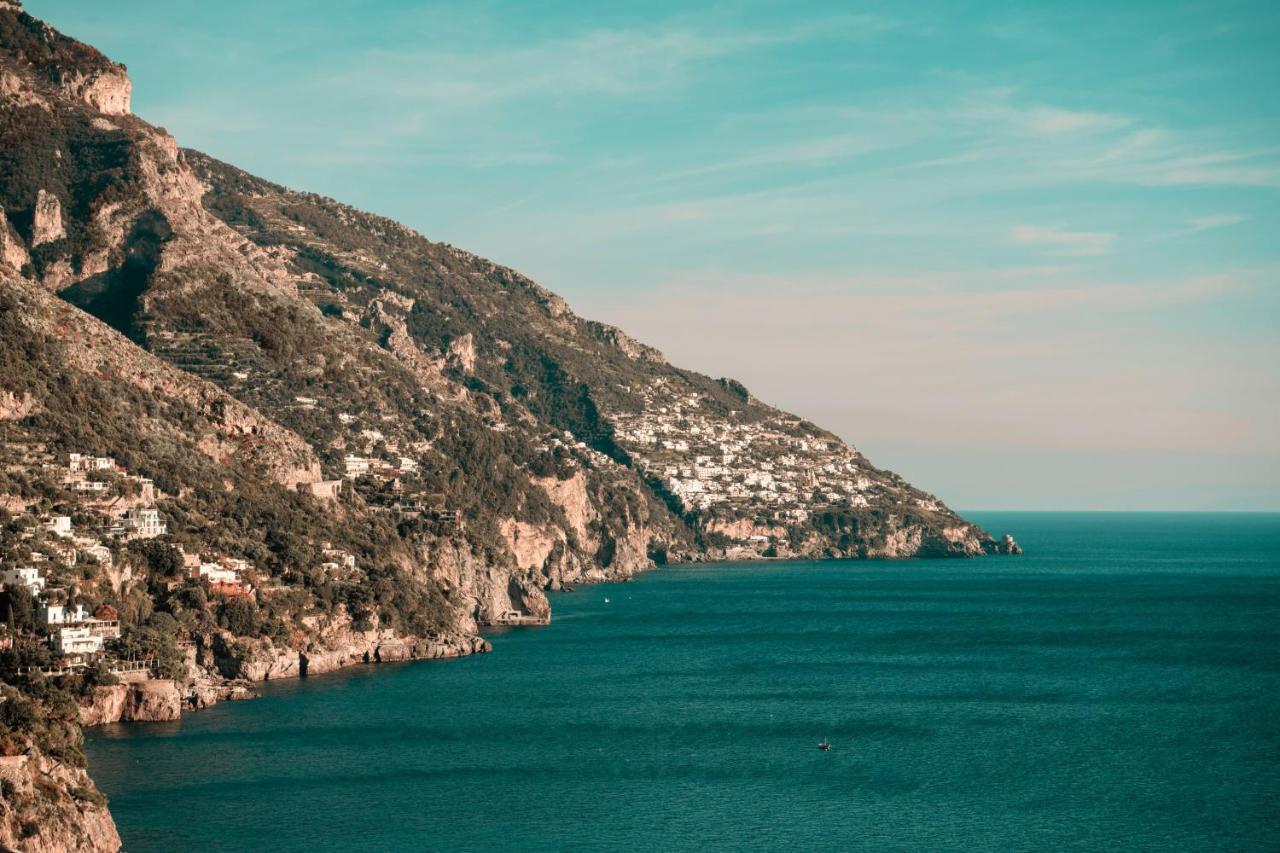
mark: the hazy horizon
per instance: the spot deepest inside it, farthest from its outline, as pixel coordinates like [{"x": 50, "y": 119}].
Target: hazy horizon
[{"x": 1023, "y": 255}]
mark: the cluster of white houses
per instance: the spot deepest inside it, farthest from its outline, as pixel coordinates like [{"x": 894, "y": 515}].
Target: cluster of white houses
[
  {"x": 135, "y": 523},
  {"x": 770, "y": 466},
  {"x": 88, "y": 475},
  {"x": 89, "y": 478},
  {"x": 72, "y": 632},
  {"x": 390, "y": 466},
  {"x": 77, "y": 636},
  {"x": 358, "y": 466}
]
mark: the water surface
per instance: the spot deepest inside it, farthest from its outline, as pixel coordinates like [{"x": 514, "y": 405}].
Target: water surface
[{"x": 1115, "y": 689}]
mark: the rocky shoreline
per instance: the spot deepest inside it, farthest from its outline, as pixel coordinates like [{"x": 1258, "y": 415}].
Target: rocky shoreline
[
  {"x": 218, "y": 680},
  {"x": 164, "y": 699}
]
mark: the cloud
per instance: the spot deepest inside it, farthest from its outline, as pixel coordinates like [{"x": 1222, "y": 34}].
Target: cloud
[
  {"x": 1004, "y": 109},
  {"x": 1053, "y": 121},
  {"x": 598, "y": 61},
  {"x": 1066, "y": 242},
  {"x": 1025, "y": 142},
  {"x": 1217, "y": 220},
  {"x": 927, "y": 304},
  {"x": 473, "y": 93}
]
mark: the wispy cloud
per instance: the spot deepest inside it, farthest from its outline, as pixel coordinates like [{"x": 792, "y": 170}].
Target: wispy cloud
[
  {"x": 1217, "y": 220},
  {"x": 601, "y": 61},
  {"x": 1063, "y": 241},
  {"x": 1054, "y": 120},
  {"x": 939, "y": 301}
]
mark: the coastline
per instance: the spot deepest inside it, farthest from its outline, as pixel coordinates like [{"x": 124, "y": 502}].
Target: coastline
[
  {"x": 163, "y": 700},
  {"x": 758, "y": 671}
]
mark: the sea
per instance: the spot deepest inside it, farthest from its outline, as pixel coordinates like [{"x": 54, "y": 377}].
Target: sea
[{"x": 1117, "y": 688}]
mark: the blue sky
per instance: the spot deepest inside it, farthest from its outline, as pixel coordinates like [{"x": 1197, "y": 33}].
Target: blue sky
[{"x": 1024, "y": 253}]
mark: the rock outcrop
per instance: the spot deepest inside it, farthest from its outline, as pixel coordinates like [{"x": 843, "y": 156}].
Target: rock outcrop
[
  {"x": 51, "y": 806},
  {"x": 462, "y": 354},
  {"x": 139, "y": 701},
  {"x": 15, "y": 406},
  {"x": 13, "y": 253},
  {"x": 107, "y": 91},
  {"x": 47, "y": 220},
  {"x": 1007, "y": 545},
  {"x": 330, "y": 652}
]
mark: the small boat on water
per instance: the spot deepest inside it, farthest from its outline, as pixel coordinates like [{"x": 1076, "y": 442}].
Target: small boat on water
[
  {"x": 824, "y": 745},
  {"x": 606, "y": 600}
]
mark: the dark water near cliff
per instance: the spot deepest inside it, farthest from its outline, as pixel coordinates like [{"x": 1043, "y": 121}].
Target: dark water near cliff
[{"x": 1116, "y": 689}]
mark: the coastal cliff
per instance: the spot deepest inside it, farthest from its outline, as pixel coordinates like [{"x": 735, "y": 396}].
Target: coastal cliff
[
  {"x": 261, "y": 434},
  {"x": 51, "y": 806},
  {"x": 151, "y": 700},
  {"x": 229, "y": 667}
]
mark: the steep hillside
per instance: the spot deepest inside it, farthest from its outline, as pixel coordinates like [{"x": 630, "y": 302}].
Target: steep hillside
[
  {"x": 225, "y": 479},
  {"x": 353, "y": 330},
  {"x": 740, "y": 474},
  {"x": 247, "y": 432}
]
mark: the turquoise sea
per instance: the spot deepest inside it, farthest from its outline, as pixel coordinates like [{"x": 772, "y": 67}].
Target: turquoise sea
[{"x": 1117, "y": 688}]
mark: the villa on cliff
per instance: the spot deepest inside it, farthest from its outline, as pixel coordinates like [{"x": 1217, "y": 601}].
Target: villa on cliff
[{"x": 144, "y": 523}]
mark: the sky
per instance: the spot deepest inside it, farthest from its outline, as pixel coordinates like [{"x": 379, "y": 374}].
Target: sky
[{"x": 1025, "y": 254}]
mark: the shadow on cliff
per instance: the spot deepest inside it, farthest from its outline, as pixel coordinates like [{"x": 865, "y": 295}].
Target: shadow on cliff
[{"x": 115, "y": 296}]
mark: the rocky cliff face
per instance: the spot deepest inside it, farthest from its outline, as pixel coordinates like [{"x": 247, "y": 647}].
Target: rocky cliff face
[
  {"x": 107, "y": 90},
  {"x": 153, "y": 700},
  {"x": 47, "y": 219},
  {"x": 13, "y": 252},
  {"x": 50, "y": 806},
  {"x": 333, "y": 644},
  {"x": 227, "y": 432}
]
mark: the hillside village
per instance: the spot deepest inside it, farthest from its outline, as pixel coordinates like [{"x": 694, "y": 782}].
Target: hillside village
[
  {"x": 751, "y": 477},
  {"x": 58, "y": 569}
]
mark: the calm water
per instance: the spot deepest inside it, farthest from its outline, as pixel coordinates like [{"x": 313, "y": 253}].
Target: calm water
[{"x": 1116, "y": 689}]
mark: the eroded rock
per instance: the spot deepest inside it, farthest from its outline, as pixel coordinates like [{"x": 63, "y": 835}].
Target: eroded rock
[{"x": 47, "y": 220}]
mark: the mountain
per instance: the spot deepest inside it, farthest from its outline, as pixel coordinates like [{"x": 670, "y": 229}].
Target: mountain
[{"x": 361, "y": 444}]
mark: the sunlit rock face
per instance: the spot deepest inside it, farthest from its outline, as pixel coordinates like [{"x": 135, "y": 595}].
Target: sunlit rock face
[
  {"x": 47, "y": 222},
  {"x": 108, "y": 92}
]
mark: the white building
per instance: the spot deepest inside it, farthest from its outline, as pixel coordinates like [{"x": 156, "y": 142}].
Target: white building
[
  {"x": 76, "y": 641},
  {"x": 81, "y": 462},
  {"x": 143, "y": 523},
  {"x": 58, "y": 525},
  {"x": 340, "y": 557},
  {"x": 355, "y": 466},
  {"x": 60, "y": 614},
  {"x": 216, "y": 573},
  {"x": 236, "y": 564},
  {"x": 28, "y": 577}
]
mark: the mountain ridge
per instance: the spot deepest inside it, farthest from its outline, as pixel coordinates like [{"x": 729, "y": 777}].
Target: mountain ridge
[{"x": 378, "y": 444}]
